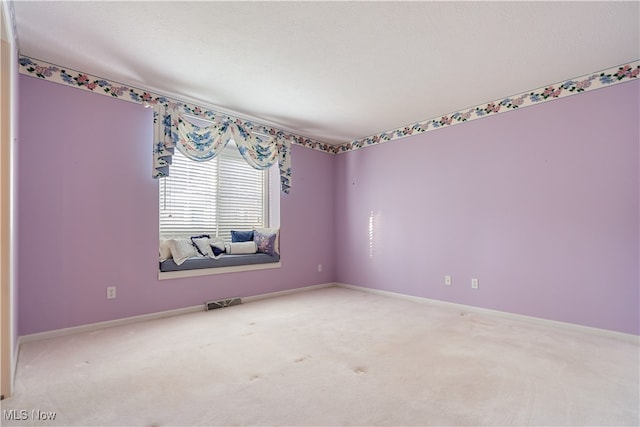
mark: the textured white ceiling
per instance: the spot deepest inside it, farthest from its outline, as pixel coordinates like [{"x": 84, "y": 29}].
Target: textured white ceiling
[{"x": 332, "y": 71}]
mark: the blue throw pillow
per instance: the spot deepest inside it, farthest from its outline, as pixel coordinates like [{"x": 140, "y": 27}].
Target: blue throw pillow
[
  {"x": 241, "y": 236},
  {"x": 216, "y": 251}
]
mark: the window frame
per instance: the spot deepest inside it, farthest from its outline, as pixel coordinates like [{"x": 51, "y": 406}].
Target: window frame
[
  {"x": 215, "y": 225},
  {"x": 271, "y": 213}
]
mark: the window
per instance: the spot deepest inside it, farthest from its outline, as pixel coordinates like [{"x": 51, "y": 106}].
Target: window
[{"x": 213, "y": 197}]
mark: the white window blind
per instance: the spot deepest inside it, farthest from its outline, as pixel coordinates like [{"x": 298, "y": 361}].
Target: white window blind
[{"x": 212, "y": 197}]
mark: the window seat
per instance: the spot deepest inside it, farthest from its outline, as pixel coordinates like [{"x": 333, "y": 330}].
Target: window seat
[{"x": 196, "y": 263}]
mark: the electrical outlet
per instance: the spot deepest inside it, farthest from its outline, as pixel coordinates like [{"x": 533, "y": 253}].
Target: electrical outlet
[
  {"x": 474, "y": 283},
  {"x": 319, "y": 268},
  {"x": 111, "y": 292},
  {"x": 447, "y": 280}
]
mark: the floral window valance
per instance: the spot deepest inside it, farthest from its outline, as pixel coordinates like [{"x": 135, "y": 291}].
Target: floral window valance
[{"x": 173, "y": 129}]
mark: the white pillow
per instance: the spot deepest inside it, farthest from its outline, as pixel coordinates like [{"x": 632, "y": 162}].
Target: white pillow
[
  {"x": 203, "y": 245},
  {"x": 165, "y": 250},
  {"x": 241, "y": 248},
  {"x": 182, "y": 249}
]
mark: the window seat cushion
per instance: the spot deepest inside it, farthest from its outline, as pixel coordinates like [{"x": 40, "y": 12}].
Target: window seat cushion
[{"x": 226, "y": 260}]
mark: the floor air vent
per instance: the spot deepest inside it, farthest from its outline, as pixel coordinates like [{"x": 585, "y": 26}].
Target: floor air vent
[{"x": 212, "y": 305}]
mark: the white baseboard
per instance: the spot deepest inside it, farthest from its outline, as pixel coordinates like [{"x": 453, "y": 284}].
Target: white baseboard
[
  {"x": 159, "y": 315},
  {"x": 107, "y": 324},
  {"x": 151, "y": 316},
  {"x": 287, "y": 292},
  {"x": 634, "y": 339}
]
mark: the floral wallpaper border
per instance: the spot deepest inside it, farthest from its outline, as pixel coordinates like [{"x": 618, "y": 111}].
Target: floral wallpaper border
[
  {"x": 608, "y": 77},
  {"x": 57, "y": 74},
  {"x": 597, "y": 80}
]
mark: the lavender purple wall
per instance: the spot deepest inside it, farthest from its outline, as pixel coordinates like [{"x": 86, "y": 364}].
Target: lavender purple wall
[
  {"x": 540, "y": 204},
  {"x": 89, "y": 216}
]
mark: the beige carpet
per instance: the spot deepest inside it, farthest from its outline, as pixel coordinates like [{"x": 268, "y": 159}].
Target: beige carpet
[{"x": 329, "y": 357}]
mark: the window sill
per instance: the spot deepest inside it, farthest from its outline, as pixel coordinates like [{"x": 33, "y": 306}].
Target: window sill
[{"x": 165, "y": 275}]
